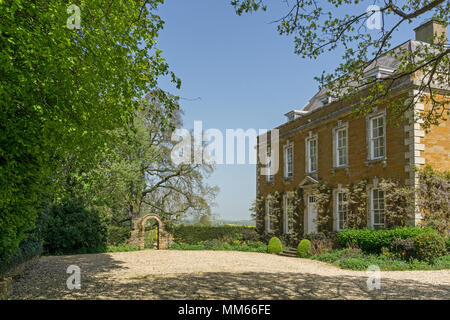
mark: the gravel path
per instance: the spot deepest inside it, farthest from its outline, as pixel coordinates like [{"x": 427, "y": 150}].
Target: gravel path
[{"x": 170, "y": 274}]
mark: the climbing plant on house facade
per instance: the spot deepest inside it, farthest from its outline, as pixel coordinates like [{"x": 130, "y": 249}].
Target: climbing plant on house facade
[
  {"x": 433, "y": 198},
  {"x": 324, "y": 195}
]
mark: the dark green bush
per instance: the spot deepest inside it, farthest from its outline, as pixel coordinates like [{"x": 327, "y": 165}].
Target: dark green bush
[
  {"x": 372, "y": 241},
  {"x": 68, "y": 227},
  {"x": 429, "y": 246},
  {"x": 447, "y": 244},
  {"x": 404, "y": 248},
  {"x": 27, "y": 250},
  {"x": 322, "y": 242},
  {"x": 194, "y": 234},
  {"x": 274, "y": 245},
  {"x": 118, "y": 234},
  {"x": 304, "y": 248},
  {"x": 250, "y": 235}
]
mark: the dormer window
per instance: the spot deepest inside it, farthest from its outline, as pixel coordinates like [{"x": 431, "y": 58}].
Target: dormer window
[
  {"x": 325, "y": 100},
  {"x": 294, "y": 114},
  {"x": 377, "y": 73}
]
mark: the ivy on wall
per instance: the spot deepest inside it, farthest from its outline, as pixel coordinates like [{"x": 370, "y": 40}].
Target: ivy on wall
[
  {"x": 324, "y": 197},
  {"x": 433, "y": 198},
  {"x": 399, "y": 199},
  {"x": 298, "y": 203},
  {"x": 357, "y": 205}
]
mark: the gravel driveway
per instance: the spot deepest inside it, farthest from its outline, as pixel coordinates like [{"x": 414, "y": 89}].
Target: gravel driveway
[{"x": 170, "y": 274}]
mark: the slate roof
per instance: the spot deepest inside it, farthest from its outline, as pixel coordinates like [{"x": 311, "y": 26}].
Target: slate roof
[{"x": 385, "y": 61}]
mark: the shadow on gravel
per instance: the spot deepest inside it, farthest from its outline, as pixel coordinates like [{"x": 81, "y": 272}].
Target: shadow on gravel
[
  {"x": 48, "y": 278},
  {"x": 48, "y": 281}
]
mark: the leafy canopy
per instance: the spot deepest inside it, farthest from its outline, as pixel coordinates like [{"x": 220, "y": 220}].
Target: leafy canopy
[
  {"x": 63, "y": 88},
  {"x": 321, "y": 26}
]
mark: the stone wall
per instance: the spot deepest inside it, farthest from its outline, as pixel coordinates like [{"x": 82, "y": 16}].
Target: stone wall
[{"x": 165, "y": 238}]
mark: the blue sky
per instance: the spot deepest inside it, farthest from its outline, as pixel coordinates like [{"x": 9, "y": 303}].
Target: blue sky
[{"x": 244, "y": 74}]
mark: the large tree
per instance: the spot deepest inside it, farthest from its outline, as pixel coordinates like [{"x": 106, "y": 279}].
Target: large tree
[
  {"x": 341, "y": 26},
  {"x": 63, "y": 86},
  {"x": 136, "y": 174}
]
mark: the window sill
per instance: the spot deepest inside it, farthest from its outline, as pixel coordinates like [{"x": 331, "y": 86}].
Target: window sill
[{"x": 383, "y": 161}]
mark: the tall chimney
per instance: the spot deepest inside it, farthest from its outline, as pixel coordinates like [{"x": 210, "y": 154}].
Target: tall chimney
[{"x": 427, "y": 30}]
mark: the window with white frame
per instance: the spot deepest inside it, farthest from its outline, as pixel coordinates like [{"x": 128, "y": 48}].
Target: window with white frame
[
  {"x": 311, "y": 154},
  {"x": 341, "y": 210},
  {"x": 377, "y": 204},
  {"x": 377, "y": 137},
  {"x": 287, "y": 213},
  {"x": 268, "y": 215},
  {"x": 288, "y": 162},
  {"x": 269, "y": 176},
  {"x": 341, "y": 147}
]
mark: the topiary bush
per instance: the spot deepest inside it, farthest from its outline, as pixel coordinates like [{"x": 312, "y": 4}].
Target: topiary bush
[
  {"x": 274, "y": 245},
  {"x": 304, "y": 248},
  {"x": 372, "y": 241},
  {"x": 429, "y": 246},
  {"x": 68, "y": 227}
]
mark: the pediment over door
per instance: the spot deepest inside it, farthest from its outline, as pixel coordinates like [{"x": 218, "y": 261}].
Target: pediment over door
[{"x": 308, "y": 182}]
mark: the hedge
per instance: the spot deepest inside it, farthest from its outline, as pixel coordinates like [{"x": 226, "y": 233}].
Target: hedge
[
  {"x": 193, "y": 234},
  {"x": 372, "y": 241},
  {"x": 27, "y": 250}
]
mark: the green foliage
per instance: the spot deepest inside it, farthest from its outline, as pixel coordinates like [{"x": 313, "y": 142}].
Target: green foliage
[
  {"x": 192, "y": 234},
  {"x": 258, "y": 210},
  {"x": 372, "y": 241},
  {"x": 150, "y": 237},
  {"x": 214, "y": 245},
  {"x": 322, "y": 242},
  {"x": 356, "y": 205},
  {"x": 442, "y": 262},
  {"x": 343, "y": 259},
  {"x": 118, "y": 234},
  {"x": 63, "y": 89},
  {"x": 250, "y": 235},
  {"x": 274, "y": 245},
  {"x": 399, "y": 203},
  {"x": 447, "y": 244},
  {"x": 324, "y": 195},
  {"x": 429, "y": 246},
  {"x": 404, "y": 248},
  {"x": 355, "y": 263},
  {"x": 304, "y": 248},
  {"x": 433, "y": 194},
  {"x": 28, "y": 249},
  {"x": 68, "y": 227},
  {"x": 338, "y": 27},
  {"x": 121, "y": 248}
]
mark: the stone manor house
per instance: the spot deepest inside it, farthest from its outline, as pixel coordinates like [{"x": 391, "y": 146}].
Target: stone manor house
[{"x": 324, "y": 142}]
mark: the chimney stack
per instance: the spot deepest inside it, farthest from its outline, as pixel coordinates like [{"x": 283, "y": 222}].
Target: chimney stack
[{"x": 427, "y": 30}]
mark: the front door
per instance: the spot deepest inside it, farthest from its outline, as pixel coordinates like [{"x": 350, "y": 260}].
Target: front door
[{"x": 312, "y": 214}]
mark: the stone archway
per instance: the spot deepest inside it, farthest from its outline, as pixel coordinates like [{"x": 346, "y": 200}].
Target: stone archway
[{"x": 138, "y": 232}]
